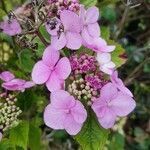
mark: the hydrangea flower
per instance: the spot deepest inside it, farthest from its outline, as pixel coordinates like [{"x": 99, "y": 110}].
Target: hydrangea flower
[
  {"x": 91, "y": 27},
  {"x": 117, "y": 82},
  {"x": 64, "y": 112},
  {"x": 13, "y": 84},
  {"x": 51, "y": 70},
  {"x": 106, "y": 65},
  {"x": 112, "y": 104},
  {"x": 69, "y": 33},
  {"x": 11, "y": 27}
]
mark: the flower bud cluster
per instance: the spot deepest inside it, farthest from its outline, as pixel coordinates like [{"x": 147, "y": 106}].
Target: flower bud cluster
[
  {"x": 9, "y": 112},
  {"x": 96, "y": 81},
  {"x": 83, "y": 64},
  {"x": 60, "y": 5},
  {"x": 5, "y": 52},
  {"x": 82, "y": 89}
]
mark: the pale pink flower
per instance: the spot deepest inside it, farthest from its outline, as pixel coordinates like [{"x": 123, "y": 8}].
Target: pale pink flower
[
  {"x": 68, "y": 33},
  {"x": 89, "y": 20},
  {"x": 117, "y": 82},
  {"x": 112, "y": 104},
  {"x": 51, "y": 70},
  {"x": 106, "y": 65},
  {"x": 64, "y": 112},
  {"x": 13, "y": 84},
  {"x": 11, "y": 27}
]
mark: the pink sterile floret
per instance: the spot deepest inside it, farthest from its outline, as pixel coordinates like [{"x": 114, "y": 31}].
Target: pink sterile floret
[
  {"x": 112, "y": 104},
  {"x": 64, "y": 112},
  {"x": 51, "y": 70}
]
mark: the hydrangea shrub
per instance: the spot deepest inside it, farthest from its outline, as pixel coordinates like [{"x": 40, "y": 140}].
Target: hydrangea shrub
[{"x": 77, "y": 65}]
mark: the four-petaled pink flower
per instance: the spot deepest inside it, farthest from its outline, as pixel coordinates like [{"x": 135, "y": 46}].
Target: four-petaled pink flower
[
  {"x": 69, "y": 33},
  {"x": 64, "y": 112},
  {"x": 112, "y": 104},
  {"x": 106, "y": 65},
  {"x": 51, "y": 70},
  {"x": 89, "y": 20},
  {"x": 117, "y": 82},
  {"x": 13, "y": 84},
  {"x": 11, "y": 27}
]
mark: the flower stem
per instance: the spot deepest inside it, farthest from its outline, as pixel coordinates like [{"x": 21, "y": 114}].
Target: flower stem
[{"x": 42, "y": 38}]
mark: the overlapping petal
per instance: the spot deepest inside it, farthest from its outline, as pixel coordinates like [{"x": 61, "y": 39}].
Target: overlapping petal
[
  {"x": 92, "y": 15},
  {"x": 70, "y": 21},
  {"x": 74, "y": 40},
  {"x": 40, "y": 73},
  {"x": 54, "y": 82},
  {"x": 50, "y": 56},
  {"x": 63, "y": 68},
  {"x": 122, "y": 105}
]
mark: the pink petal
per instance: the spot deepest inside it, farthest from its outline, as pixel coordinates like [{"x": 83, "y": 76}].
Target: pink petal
[
  {"x": 6, "y": 76},
  {"x": 14, "y": 85},
  {"x": 53, "y": 32},
  {"x": 99, "y": 105},
  {"x": 103, "y": 58},
  {"x": 79, "y": 113},
  {"x": 122, "y": 105},
  {"x": 94, "y": 29},
  {"x": 108, "y": 120},
  {"x": 92, "y": 15},
  {"x": 40, "y": 73},
  {"x": 54, "y": 118},
  {"x": 119, "y": 84},
  {"x": 74, "y": 40},
  {"x": 109, "y": 48},
  {"x": 54, "y": 83},
  {"x": 71, "y": 126},
  {"x": 11, "y": 28},
  {"x": 63, "y": 68},
  {"x": 82, "y": 14},
  {"x": 29, "y": 84},
  {"x": 64, "y": 102},
  {"x": 125, "y": 90},
  {"x": 86, "y": 36},
  {"x": 108, "y": 92},
  {"x": 108, "y": 68},
  {"x": 71, "y": 21},
  {"x": 58, "y": 42},
  {"x": 50, "y": 56}
]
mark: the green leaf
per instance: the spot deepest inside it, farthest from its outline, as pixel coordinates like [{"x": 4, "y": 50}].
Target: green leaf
[
  {"x": 109, "y": 13},
  {"x": 19, "y": 135},
  {"x": 88, "y": 3},
  {"x": 118, "y": 55},
  {"x": 104, "y": 3},
  {"x": 117, "y": 142},
  {"x": 92, "y": 136},
  {"x": 34, "y": 137},
  {"x": 5, "y": 145},
  {"x": 26, "y": 61},
  {"x": 105, "y": 33}
]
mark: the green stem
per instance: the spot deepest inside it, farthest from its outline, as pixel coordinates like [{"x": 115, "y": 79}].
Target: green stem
[{"x": 42, "y": 38}]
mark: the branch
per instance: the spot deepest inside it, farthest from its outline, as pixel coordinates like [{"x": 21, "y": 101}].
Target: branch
[
  {"x": 135, "y": 72},
  {"x": 42, "y": 38}
]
